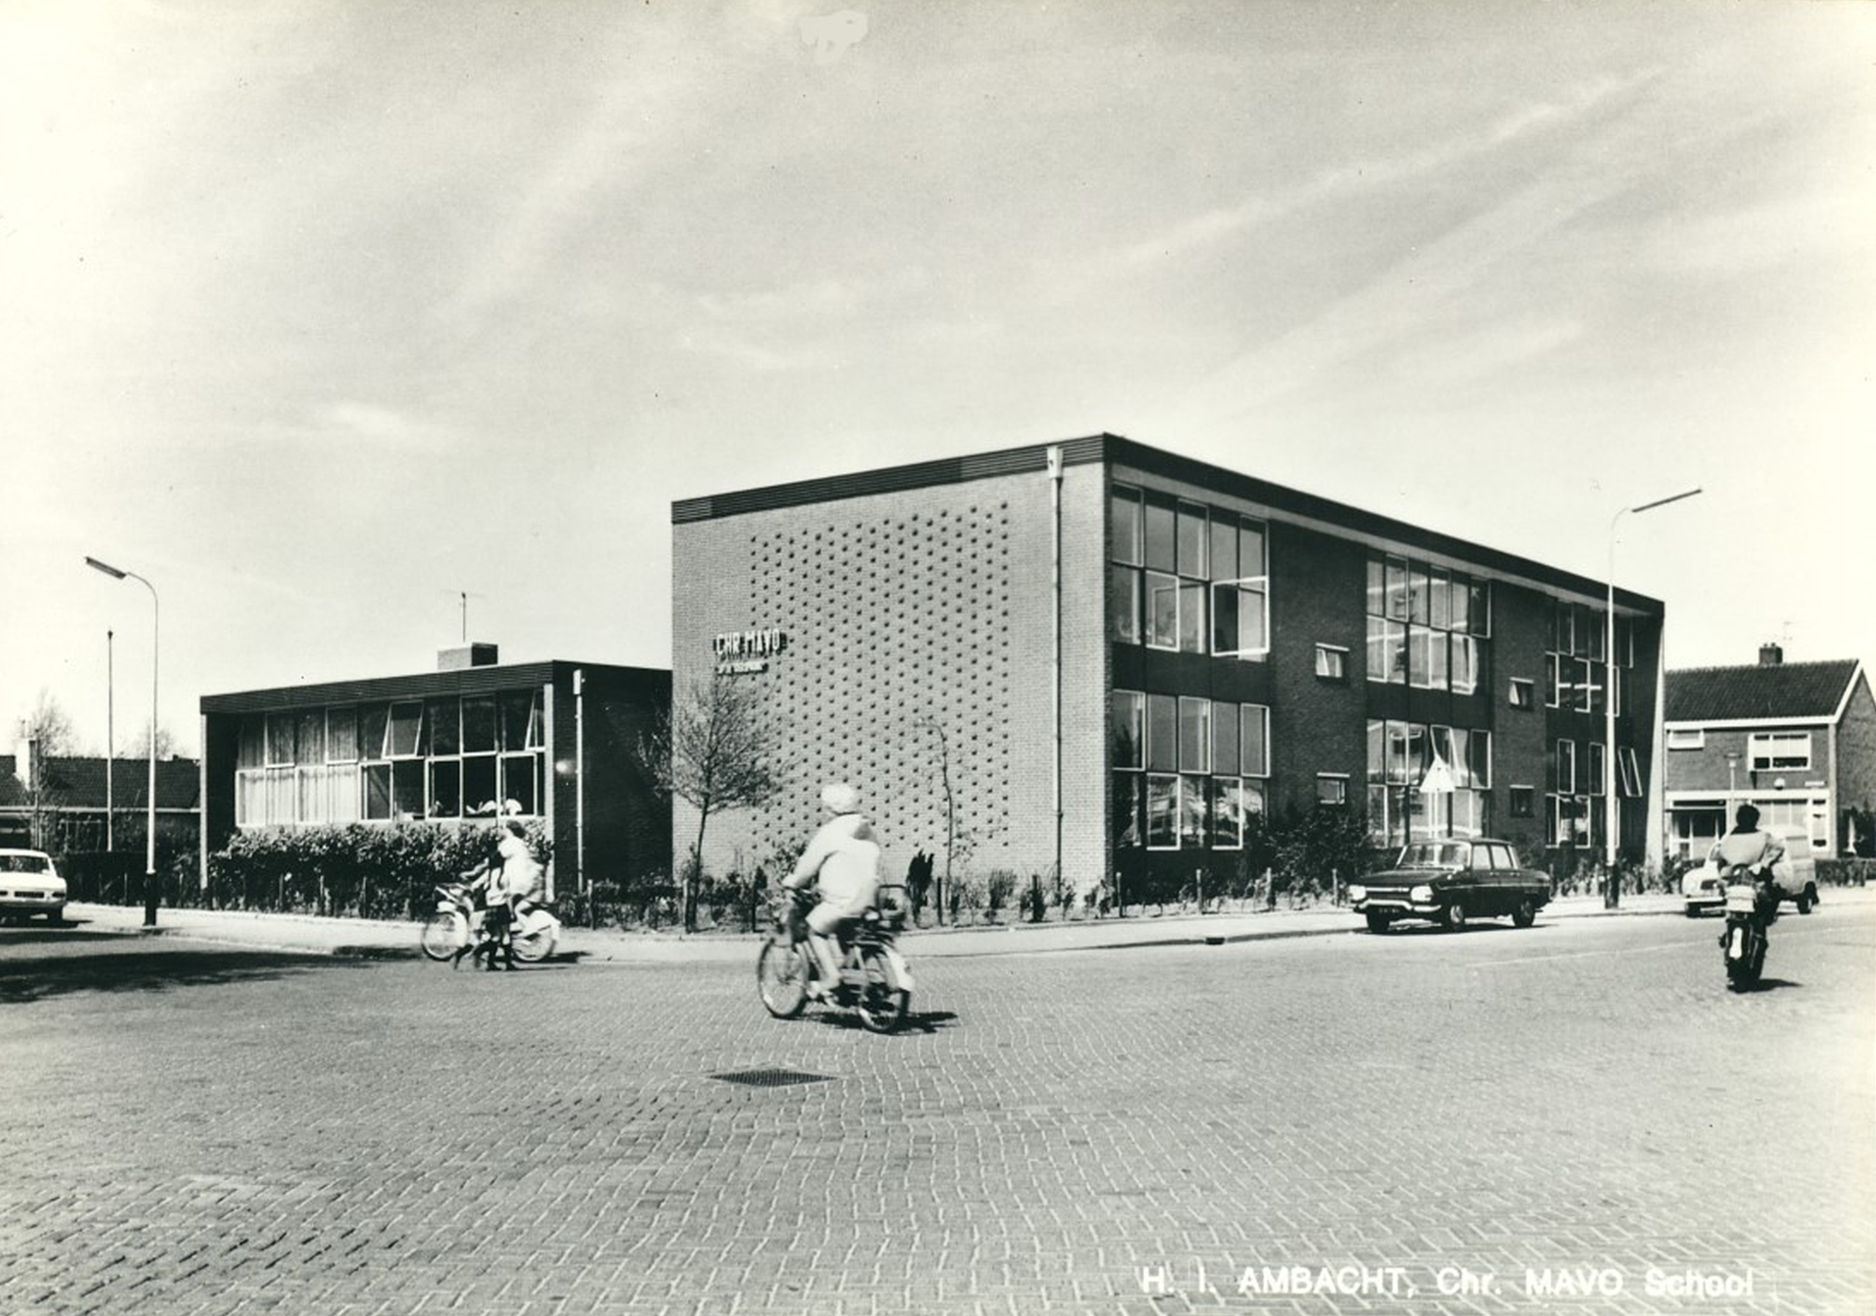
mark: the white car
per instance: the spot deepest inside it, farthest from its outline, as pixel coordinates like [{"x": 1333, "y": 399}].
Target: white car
[
  {"x": 1795, "y": 876},
  {"x": 30, "y": 884}
]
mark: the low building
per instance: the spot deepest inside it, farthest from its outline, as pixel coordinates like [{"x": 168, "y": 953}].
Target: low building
[
  {"x": 1795, "y": 740},
  {"x": 555, "y": 741},
  {"x": 76, "y": 804},
  {"x": 1096, "y": 657}
]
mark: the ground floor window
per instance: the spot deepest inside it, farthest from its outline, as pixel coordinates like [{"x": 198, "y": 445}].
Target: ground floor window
[
  {"x": 440, "y": 758},
  {"x": 1427, "y": 781}
]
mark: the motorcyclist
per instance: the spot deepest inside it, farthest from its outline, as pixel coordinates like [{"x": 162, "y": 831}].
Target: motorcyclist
[
  {"x": 843, "y": 859},
  {"x": 1748, "y": 853}
]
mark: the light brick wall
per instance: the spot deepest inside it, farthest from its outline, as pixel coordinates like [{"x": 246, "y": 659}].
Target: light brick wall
[{"x": 918, "y": 630}]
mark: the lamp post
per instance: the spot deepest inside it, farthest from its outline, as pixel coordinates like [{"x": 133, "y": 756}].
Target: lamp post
[
  {"x": 1612, "y": 811},
  {"x": 149, "y": 870},
  {"x": 110, "y": 739}
]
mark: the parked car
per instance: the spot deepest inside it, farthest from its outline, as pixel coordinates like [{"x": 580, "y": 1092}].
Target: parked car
[
  {"x": 30, "y": 884},
  {"x": 1795, "y": 876},
  {"x": 1451, "y": 882}
]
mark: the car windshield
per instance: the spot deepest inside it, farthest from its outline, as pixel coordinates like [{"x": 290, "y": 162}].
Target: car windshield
[
  {"x": 25, "y": 863},
  {"x": 1434, "y": 855}
]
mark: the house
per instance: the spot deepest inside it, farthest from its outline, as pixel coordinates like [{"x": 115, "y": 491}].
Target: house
[
  {"x": 1096, "y": 657},
  {"x": 59, "y": 803},
  {"x": 1796, "y": 740}
]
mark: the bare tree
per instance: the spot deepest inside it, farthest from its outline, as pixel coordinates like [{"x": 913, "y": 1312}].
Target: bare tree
[
  {"x": 165, "y": 743},
  {"x": 50, "y": 726},
  {"x": 960, "y": 838},
  {"x": 711, "y": 750}
]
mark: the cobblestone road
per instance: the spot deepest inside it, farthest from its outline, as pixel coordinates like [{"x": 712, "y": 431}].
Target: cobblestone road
[{"x": 211, "y": 1130}]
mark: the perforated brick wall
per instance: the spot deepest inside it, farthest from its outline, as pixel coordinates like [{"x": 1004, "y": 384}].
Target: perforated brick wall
[{"x": 916, "y": 651}]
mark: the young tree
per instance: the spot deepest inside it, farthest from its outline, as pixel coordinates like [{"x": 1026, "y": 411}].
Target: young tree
[{"x": 711, "y": 750}]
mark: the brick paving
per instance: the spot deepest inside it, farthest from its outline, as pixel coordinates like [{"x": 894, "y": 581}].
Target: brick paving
[{"x": 204, "y": 1128}]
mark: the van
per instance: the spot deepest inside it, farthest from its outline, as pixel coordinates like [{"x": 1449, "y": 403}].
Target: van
[{"x": 1795, "y": 876}]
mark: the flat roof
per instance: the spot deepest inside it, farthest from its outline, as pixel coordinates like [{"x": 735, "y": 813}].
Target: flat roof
[
  {"x": 420, "y": 685},
  {"x": 1114, "y": 450}
]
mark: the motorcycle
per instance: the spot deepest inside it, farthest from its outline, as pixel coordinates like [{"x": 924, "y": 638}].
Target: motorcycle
[
  {"x": 455, "y": 927},
  {"x": 875, "y": 981},
  {"x": 1744, "y": 940}
]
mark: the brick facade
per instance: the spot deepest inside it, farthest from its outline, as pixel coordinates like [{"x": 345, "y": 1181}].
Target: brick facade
[{"x": 910, "y": 622}]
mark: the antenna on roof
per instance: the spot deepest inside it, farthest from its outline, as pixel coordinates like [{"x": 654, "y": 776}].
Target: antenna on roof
[{"x": 463, "y": 596}]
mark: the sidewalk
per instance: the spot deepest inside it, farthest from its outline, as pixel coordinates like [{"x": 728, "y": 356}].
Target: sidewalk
[{"x": 375, "y": 939}]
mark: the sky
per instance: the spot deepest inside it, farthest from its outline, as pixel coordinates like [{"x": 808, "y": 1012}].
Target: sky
[{"x": 321, "y": 316}]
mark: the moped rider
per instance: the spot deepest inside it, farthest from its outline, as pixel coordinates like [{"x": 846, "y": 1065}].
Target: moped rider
[
  {"x": 842, "y": 858},
  {"x": 508, "y": 880},
  {"x": 1748, "y": 852}
]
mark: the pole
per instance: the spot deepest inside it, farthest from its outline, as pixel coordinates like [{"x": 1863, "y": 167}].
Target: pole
[
  {"x": 1055, "y": 662},
  {"x": 110, "y": 741},
  {"x": 1612, "y": 815},
  {"x": 149, "y": 867},
  {"x": 149, "y": 871}
]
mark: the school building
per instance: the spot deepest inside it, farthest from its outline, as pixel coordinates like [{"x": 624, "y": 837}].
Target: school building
[{"x": 1098, "y": 657}]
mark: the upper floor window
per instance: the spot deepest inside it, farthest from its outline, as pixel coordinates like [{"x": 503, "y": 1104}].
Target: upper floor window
[
  {"x": 1779, "y": 751},
  {"x": 1185, "y": 577},
  {"x": 1694, "y": 738},
  {"x": 1427, "y": 626}
]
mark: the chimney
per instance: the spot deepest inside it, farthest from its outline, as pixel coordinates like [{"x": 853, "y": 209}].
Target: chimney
[
  {"x": 25, "y": 757},
  {"x": 1770, "y": 655},
  {"x": 475, "y": 654}
]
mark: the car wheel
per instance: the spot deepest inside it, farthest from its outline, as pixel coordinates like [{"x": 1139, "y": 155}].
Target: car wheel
[
  {"x": 1525, "y": 914},
  {"x": 1455, "y": 917},
  {"x": 1693, "y": 911},
  {"x": 1377, "y": 921},
  {"x": 1807, "y": 899}
]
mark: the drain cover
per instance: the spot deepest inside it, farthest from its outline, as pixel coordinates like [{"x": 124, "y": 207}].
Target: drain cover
[{"x": 770, "y": 1078}]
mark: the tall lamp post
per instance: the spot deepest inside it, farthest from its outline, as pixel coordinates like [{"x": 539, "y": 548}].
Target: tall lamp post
[
  {"x": 1612, "y": 810},
  {"x": 149, "y": 870}
]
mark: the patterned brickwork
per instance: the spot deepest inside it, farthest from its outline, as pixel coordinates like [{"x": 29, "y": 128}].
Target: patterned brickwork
[{"x": 915, "y": 663}]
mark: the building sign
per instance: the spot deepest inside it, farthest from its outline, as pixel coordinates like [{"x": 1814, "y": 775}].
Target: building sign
[{"x": 741, "y": 652}]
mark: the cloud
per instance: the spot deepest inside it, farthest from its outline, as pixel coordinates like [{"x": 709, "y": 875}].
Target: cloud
[{"x": 1375, "y": 173}]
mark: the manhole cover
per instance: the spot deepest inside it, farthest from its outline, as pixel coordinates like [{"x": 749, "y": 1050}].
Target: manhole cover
[{"x": 770, "y": 1078}]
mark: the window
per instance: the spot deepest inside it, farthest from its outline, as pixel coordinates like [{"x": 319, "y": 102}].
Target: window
[
  {"x": 1227, "y": 813},
  {"x": 1768, "y": 751},
  {"x": 1162, "y": 812},
  {"x": 1427, "y": 781},
  {"x": 1195, "y": 736},
  {"x": 1162, "y": 733},
  {"x": 1427, "y": 626},
  {"x": 1127, "y": 729},
  {"x": 1331, "y": 662},
  {"x": 1565, "y": 773},
  {"x": 1522, "y": 800},
  {"x": 1523, "y": 694},
  {"x": 1129, "y": 795},
  {"x": 1331, "y": 788},
  {"x": 1254, "y": 740},
  {"x": 1628, "y": 773},
  {"x": 1593, "y": 776}
]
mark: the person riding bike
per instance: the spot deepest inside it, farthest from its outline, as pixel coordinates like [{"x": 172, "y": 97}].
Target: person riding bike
[
  {"x": 1747, "y": 854},
  {"x": 842, "y": 858},
  {"x": 509, "y": 881}
]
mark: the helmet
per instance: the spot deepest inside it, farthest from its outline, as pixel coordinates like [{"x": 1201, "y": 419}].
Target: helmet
[{"x": 839, "y": 797}]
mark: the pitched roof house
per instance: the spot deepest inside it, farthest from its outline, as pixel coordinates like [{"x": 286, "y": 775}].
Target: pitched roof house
[
  {"x": 1796, "y": 740},
  {"x": 59, "y": 803}
]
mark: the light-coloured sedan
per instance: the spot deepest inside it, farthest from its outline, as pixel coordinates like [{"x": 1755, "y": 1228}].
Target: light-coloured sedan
[{"x": 30, "y": 884}]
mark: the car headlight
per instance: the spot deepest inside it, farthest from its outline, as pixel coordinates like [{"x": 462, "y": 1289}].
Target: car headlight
[
  {"x": 1356, "y": 891},
  {"x": 1421, "y": 895}
]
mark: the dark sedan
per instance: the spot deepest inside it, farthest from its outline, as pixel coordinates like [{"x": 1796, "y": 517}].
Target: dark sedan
[{"x": 1451, "y": 882}]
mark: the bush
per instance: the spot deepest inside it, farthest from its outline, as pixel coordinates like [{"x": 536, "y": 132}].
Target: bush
[{"x": 1845, "y": 872}]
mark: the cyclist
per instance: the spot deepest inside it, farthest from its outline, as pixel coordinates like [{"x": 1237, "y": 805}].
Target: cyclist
[{"x": 843, "y": 859}]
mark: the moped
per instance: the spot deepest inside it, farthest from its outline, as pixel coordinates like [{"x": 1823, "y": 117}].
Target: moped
[
  {"x": 875, "y": 981},
  {"x": 1748, "y": 911},
  {"x": 455, "y": 926}
]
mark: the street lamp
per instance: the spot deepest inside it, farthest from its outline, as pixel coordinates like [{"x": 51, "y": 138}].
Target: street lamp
[
  {"x": 149, "y": 870},
  {"x": 1612, "y": 813}
]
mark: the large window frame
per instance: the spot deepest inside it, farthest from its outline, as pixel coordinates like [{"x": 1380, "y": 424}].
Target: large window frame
[
  {"x": 1186, "y": 577},
  {"x": 1428, "y": 627}
]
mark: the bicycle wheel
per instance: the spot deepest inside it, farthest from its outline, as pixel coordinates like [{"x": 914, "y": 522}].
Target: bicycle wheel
[
  {"x": 537, "y": 944},
  {"x": 782, "y": 978},
  {"x": 446, "y": 933},
  {"x": 882, "y": 1006}
]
